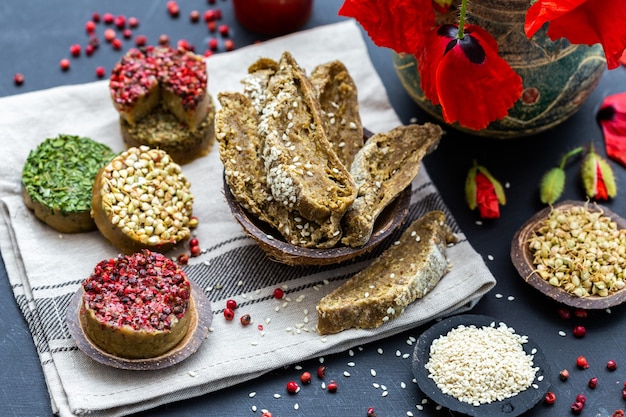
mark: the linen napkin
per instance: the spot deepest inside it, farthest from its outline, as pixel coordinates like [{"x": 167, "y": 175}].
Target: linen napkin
[{"x": 45, "y": 268}]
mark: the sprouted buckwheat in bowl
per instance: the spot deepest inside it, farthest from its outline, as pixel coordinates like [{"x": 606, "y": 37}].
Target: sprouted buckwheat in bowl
[
  {"x": 480, "y": 366},
  {"x": 573, "y": 253}
]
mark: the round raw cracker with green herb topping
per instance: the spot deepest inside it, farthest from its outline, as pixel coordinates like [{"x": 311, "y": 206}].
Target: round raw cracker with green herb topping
[{"x": 57, "y": 181}]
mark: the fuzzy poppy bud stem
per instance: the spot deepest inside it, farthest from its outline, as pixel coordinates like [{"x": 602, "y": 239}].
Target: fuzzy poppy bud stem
[
  {"x": 597, "y": 176},
  {"x": 484, "y": 192}
]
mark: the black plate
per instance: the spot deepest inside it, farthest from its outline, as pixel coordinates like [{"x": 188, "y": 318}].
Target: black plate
[{"x": 513, "y": 406}]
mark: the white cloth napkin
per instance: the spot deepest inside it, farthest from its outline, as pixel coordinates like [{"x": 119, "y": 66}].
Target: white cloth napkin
[{"x": 46, "y": 268}]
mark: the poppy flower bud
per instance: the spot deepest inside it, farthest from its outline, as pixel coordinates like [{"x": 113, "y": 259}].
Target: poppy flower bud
[
  {"x": 484, "y": 192},
  {"x": 553, "y": 181},
  {"x": 597, "y": 176}
]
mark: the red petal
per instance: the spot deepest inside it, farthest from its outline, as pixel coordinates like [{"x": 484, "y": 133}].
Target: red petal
[
  {"x": 486, "y": 198},
  {"x": 612, "y": 119},
  {"x": 584, "y": 22},
  {"x": 600, "y": 188},
  {"x": 397, "y": 24},
  {"x": 488, "y": 90}
]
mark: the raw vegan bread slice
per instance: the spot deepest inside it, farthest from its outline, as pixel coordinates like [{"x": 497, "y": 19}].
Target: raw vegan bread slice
[
  {"x": 338, "y": 97},
  {"x": 385, "y": 166},
  {"x": 240, "y": 148},
  {"x": 403, "y": 273},
  {"x": 303, "y": 171}
]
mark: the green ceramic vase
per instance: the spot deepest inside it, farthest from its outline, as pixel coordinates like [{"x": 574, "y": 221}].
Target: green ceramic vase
[{"x": 558, "y": 77}]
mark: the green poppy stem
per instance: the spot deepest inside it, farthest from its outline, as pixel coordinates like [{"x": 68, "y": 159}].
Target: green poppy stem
[{"x": 461, "y": 34}]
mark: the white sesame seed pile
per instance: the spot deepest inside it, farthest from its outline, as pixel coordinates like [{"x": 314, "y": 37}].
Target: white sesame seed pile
[{"x": 481, "y": 365}]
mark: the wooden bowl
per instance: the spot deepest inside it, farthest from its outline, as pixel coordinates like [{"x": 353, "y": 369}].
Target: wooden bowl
[
  {"x": 523, "y": 260},
  {"x": 277, "y": 249}
]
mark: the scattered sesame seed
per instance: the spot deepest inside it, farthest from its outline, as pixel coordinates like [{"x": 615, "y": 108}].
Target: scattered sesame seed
[
  {"x": 498, "y": 295},
  {"x": 510, "y": 298},
  {"x": 419, "y": 407},
  {"x": 406, "y": 356},
  {"x": 402, "y": 385},
  {"x": 373, "y": 372},
  {"x": 351, "y": 364},
  {"x": 351, "y": 352},
  {"x": 376, "y": 385},
  {"x": 277, "y": 395},
  {"x": 385, "y": 393},
  {"x": 192, "y": 373},
  {"x": 398, "y": 353},
  {"x": 252, "y": 394},
  {"x": 479, "y": 223},
  {"x": 562, "y": 333},
  {"x": 490, "y": 257},
  {"x": 346, "y": 374},
  {"x": 409, "y": 413},
  {"x": 296, "y": 406},
  {"x": 380, "y": 351}
]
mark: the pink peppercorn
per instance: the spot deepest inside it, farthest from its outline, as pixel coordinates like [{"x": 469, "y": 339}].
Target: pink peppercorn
[
  {"x": 305, "y": 377},
  {"x": 593, "y": 383},
  {"x": 141, "y": 40},
  {"x": 109, "y": 35},
  {"x": 611, "y": 365},
  {"x": 116, "y": 44},
  {"x": 229, "y": 314},
  {"x": 195, "y": 251},
  {"x": 213, "y": 43},
  {"x": 563, "y": 375},
  {"x": 127, "y": 33},
  {"x": 133, "y": 22},
  {"x": 564, "y": 313},
  {"x": 95, "y": 16},
  {"x": 582, "y": 362},
  {"x": 580, "y": 313},
  {"x": 89, "y": 49},
  {"x": 245, "y": 319},
  {"x": 100, "y": 72},
  {"x": 549, "y": 398},
  {"x": 618, "y": 413},
  {"x": 194, "y": 16},
  {"x": 332, "y": 386},
  {"x": 65, "y": 64},
  {"x": 207, "y": 53},
  {"x": 321, "y": 371},
  {"x": 120, "y": 22},
  {"x": 75, "y": 49},
  {"x": 581, "y": 398},
  {"x": 210, "y": 16},
  {"x": 211, "y": 26},
  {"x": 232, "y": 304},
  {"x": 292, "y": 387},
  {"x": 183, "y": 259},
  {"x": 223, "y": 29},
  {"x": 108, "y": 18},
  {"x": 90, "y": 26},
  {"x": 371, "y": 412},
  {"x": 164, "y": 40},
  {"x": 577, "y": 407},
  {"x": 18, "y": 78},
  {"x": 279, "y": 293},
  {"x": 580, "y": 331},
  {"x": 229, "y": 44}
]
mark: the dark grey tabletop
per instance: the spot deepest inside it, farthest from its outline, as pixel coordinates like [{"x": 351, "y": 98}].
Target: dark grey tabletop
[{"x": 37, "y": 34}]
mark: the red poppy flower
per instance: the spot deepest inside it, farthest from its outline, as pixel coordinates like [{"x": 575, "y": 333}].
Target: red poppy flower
[
  {"x": 467, "y": 77},
  {"x": 584, "y": 22},
  {"x": 397, "y": 24},
  {"x": 612, "y": 119}
]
